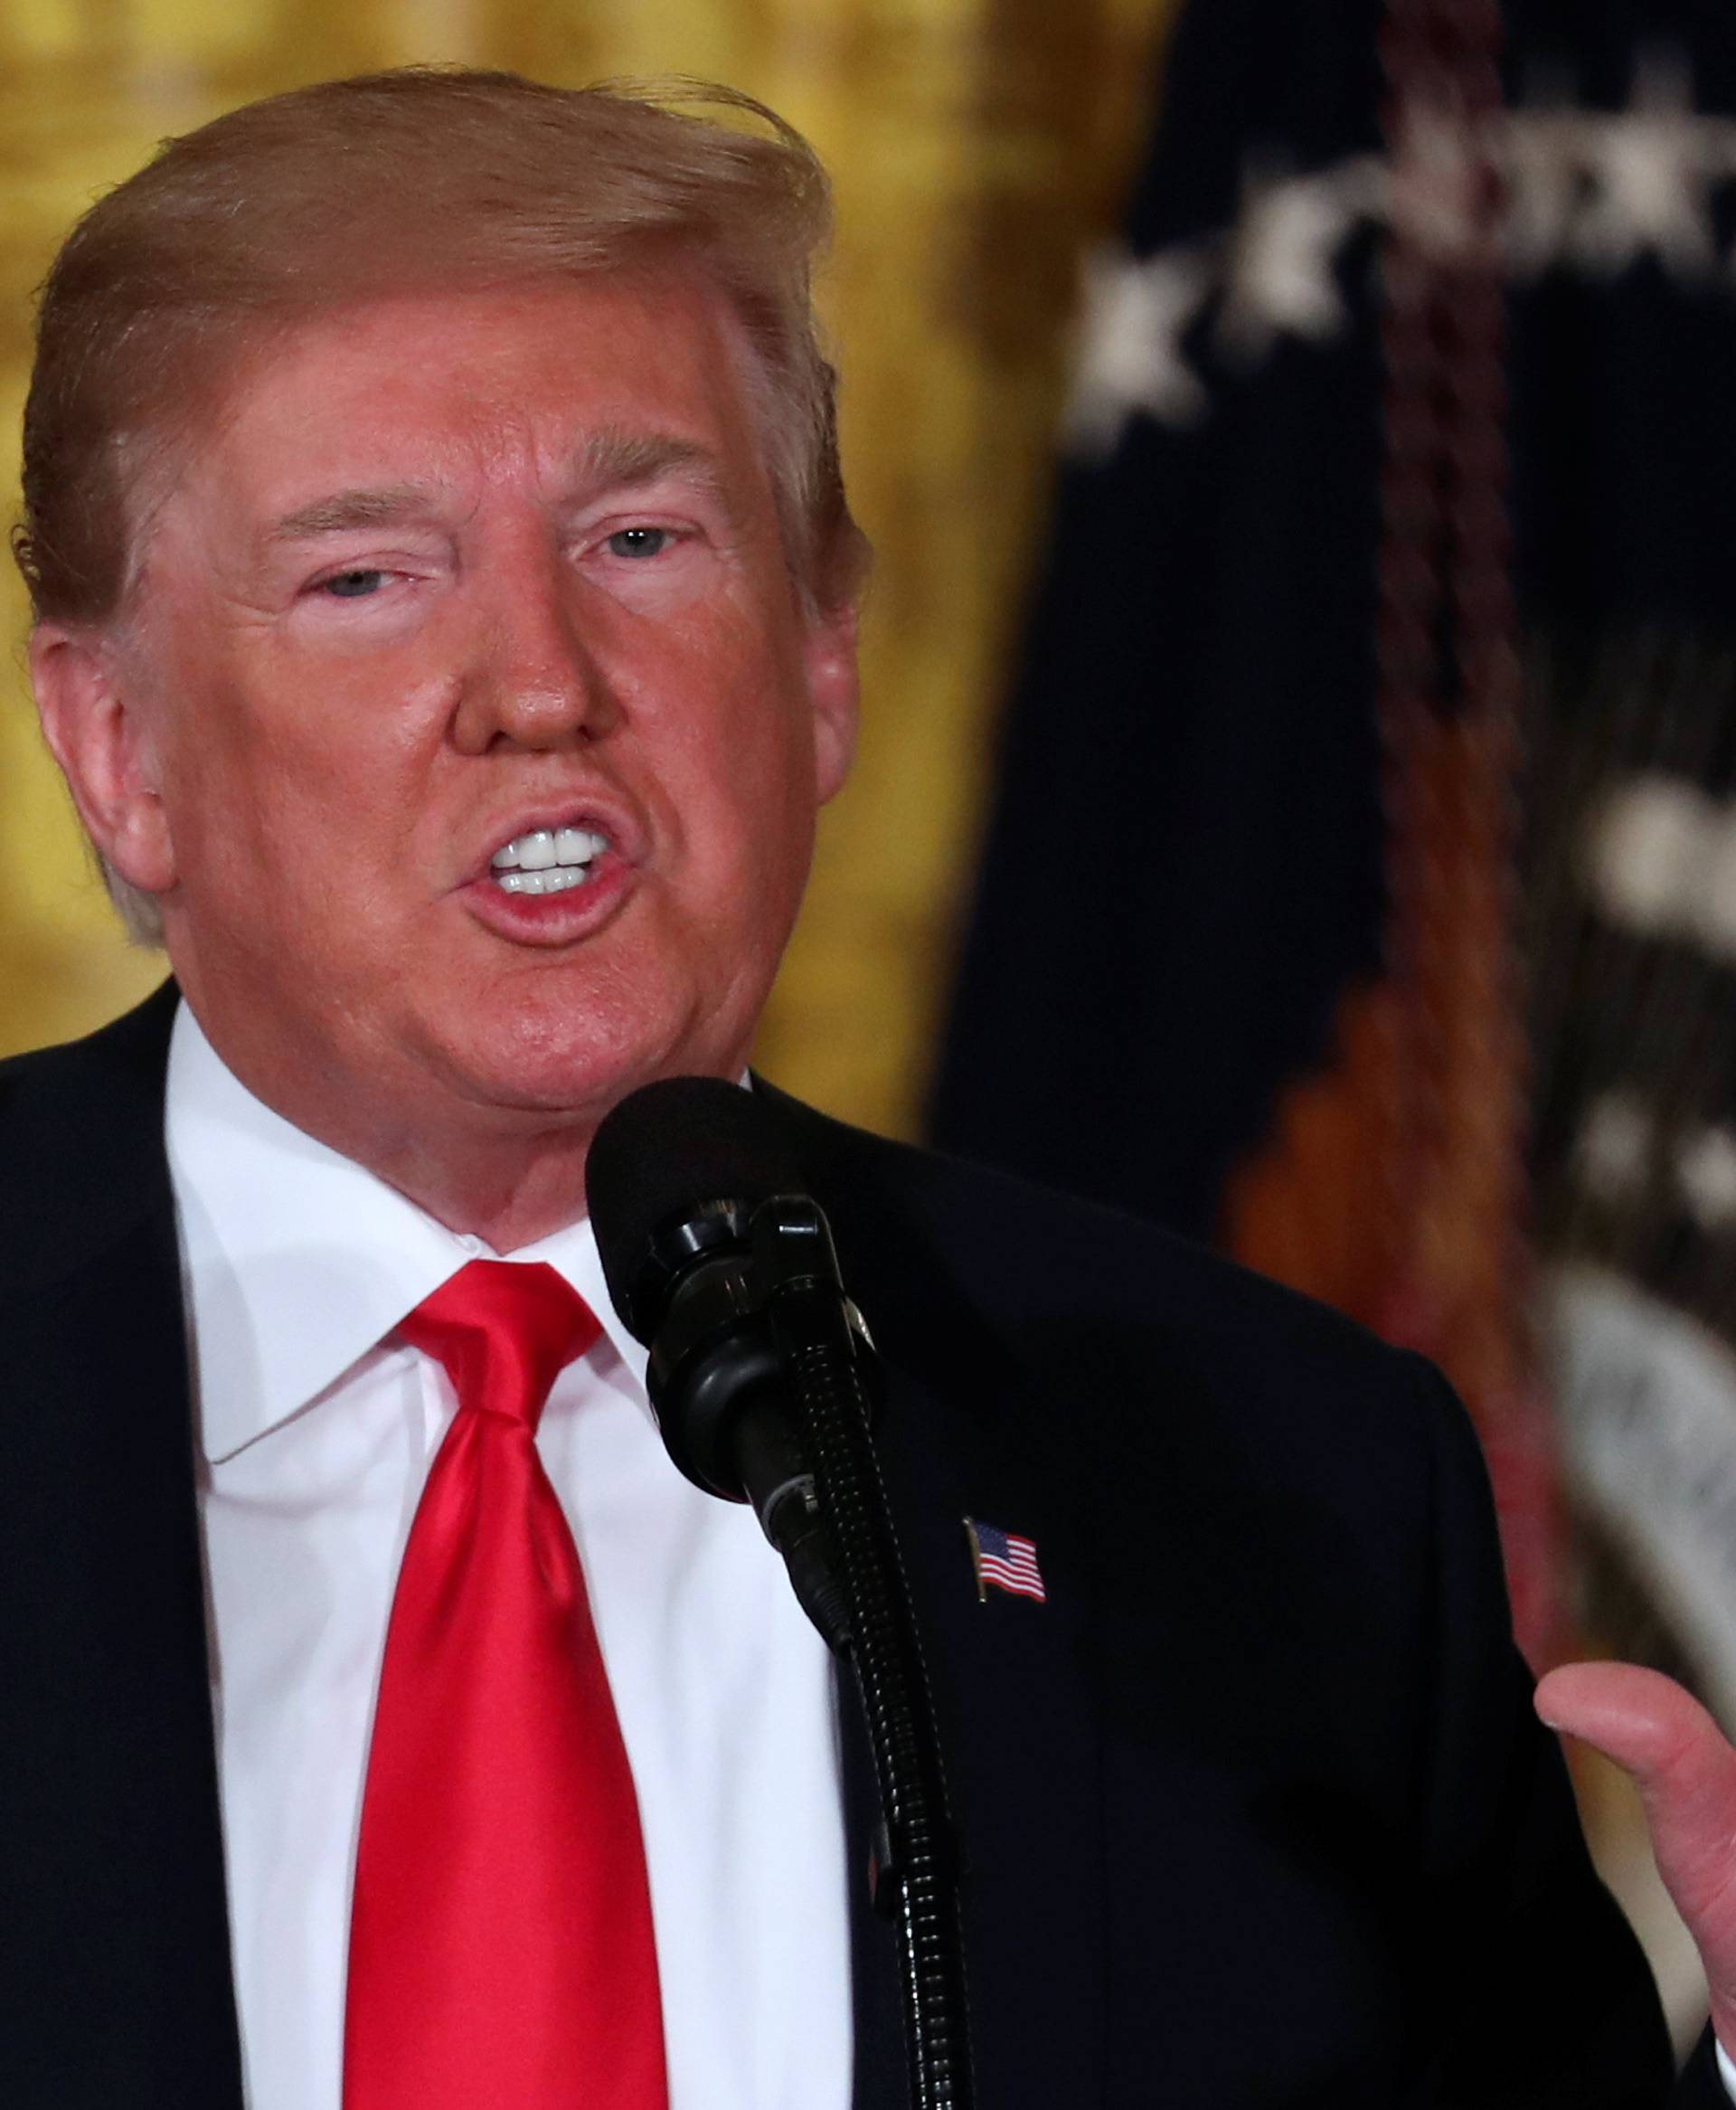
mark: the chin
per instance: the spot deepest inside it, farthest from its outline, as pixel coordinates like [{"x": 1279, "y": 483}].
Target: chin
[{"x": 573, "y": 1057}]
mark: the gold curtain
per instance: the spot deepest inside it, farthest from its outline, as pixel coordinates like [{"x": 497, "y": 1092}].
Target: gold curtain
[{"x": 975, "y": 143}]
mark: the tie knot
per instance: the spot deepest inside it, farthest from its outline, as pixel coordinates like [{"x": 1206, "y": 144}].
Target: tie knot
[{"x": 505, "y": 1329}]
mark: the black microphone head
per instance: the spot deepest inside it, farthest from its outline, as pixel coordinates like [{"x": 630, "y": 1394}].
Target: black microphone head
[{"x": 671, "y": 1151}]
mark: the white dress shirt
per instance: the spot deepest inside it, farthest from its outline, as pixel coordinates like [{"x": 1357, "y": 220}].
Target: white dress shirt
[{"x": 315, "y": 1432}]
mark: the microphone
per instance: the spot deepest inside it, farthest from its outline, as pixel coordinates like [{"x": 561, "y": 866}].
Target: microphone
[
  {"x": 723, "y": 1266},
  {"x": 709, "y": 1248}
]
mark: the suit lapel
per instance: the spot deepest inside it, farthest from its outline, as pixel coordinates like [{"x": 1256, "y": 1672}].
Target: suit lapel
[
  {"x": 110, "y": 1798},
  {"x": 1020, "y": 1746},
  {"x": 1012, "y": 1680},
  {"x": 1020, "y": 1737}
]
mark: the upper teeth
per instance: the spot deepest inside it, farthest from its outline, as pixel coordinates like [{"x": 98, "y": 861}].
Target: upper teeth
[
  {"x": 544, "y": 847},
  {"x": 547, "y": 859}
]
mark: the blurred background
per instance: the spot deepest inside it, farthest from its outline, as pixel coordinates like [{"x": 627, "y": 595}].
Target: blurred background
[{"x": 1297, "y": 796}]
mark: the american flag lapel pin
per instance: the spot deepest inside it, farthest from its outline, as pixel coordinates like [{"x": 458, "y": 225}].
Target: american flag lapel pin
[{"x": 1002, "y": 1561}]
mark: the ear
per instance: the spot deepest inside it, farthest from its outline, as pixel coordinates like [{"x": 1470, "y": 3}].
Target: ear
[
  {"x": 97, "y": 736},
  {"x": 834, "y": 689}
]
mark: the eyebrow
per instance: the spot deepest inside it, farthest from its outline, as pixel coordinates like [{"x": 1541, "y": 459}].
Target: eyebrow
[
  {"x": 610, "y": 459},
  {"x": 350, "y": 509},
  {"x": 613, "y": 459}
]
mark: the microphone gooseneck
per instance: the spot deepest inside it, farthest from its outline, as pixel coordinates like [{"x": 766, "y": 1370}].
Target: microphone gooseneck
[{"x": 759, "y": 1377}]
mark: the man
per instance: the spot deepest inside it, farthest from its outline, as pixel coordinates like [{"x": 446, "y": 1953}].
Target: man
[{"x": 444, "y": 603}]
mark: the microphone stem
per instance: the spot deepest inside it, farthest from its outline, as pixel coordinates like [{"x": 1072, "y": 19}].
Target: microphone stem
[{"x": 919, "y": 1887}]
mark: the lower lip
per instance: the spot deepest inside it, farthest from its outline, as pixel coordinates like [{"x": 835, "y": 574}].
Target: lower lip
[{"x": 552, "y": 918}]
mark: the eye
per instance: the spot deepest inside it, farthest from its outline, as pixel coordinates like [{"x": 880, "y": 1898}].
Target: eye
[
  {"x": 352, "y": 585},
  {"x": 639, "y": 541}
]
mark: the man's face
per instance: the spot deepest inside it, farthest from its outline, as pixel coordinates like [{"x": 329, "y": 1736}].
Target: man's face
[{"x": 445, "y": 578}]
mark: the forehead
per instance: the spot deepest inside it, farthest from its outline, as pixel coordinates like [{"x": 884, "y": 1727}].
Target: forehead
[{"x": 462, "y": 388}]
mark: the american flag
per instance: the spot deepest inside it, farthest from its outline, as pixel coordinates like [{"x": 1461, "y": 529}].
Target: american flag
[{"x": 1003, "y": 1561}]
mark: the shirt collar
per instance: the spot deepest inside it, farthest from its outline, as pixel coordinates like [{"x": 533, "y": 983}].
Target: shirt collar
[{"x": 297, "y": 1262}]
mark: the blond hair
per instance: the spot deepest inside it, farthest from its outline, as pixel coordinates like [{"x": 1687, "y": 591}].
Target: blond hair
[{"x": 425, "y": 177}]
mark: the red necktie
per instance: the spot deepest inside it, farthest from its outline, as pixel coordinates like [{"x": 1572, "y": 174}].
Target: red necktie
[{"x": 500, "y": 1940}]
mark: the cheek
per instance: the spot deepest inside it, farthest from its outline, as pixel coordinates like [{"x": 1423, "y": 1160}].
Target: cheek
[
  {"x": 283, "y": 760},
  {"x": 749, "y": 755},
  {"x": 755, "y": 787}
]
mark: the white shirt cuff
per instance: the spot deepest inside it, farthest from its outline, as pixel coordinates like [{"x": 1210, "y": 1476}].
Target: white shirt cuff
[{"x": 1727, "y": 2070}]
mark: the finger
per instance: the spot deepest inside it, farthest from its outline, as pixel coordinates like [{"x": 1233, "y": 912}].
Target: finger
[
  {"x": 1645, "y": 1721},
  {"x": 1685, "y": 1772}
]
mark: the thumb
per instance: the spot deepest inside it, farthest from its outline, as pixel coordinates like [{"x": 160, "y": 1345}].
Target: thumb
[{"x": 1685, "y": 1772}]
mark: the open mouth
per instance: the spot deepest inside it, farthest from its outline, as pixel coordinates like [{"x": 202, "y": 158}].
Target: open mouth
[{"x": 547, "y": 860}]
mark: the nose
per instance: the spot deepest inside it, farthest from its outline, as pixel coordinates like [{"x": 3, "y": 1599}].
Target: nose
[{"x": 534, "y": 680}]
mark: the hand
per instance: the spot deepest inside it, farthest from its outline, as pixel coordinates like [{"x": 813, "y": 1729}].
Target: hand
[{"x": 1685, "y": 1772}]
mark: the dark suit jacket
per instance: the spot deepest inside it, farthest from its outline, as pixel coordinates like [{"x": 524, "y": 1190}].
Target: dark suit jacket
[{"x": 1255, "y": 1809}]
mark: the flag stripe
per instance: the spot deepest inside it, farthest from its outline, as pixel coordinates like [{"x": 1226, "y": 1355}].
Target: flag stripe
[{"x": 1006, "y": 1561}]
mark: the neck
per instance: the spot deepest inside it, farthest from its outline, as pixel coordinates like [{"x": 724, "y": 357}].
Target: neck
[
  {"x": 508, "y": 1198},
  {"x": 508, "y": 1175},
  {"x": 508, "y": 1170}
]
